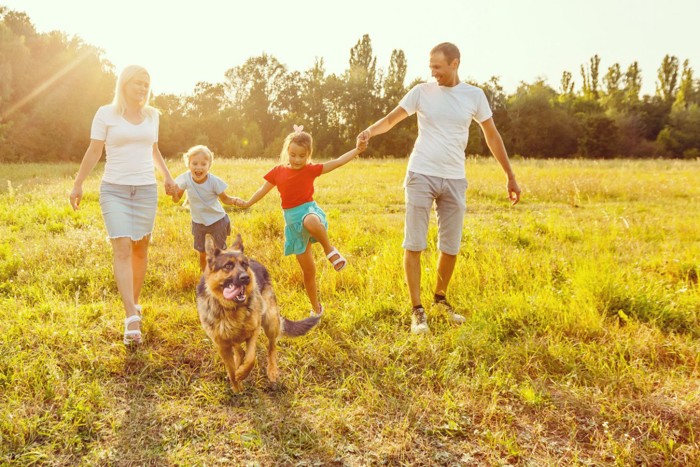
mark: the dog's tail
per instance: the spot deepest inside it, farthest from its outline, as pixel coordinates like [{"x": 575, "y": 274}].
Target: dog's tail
[{"x": 298, "y": 328}]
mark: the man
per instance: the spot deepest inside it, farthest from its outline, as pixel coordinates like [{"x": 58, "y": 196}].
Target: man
[{"x": 436, "y": 170}]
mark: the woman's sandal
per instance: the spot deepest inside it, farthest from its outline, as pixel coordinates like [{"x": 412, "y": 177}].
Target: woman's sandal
[
  {"x": 339, "y": 259},
  {"x": 132, "y": 336}
]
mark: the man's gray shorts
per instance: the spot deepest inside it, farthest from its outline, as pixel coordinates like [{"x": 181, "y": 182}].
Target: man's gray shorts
[{"x": 450, "y": 198}]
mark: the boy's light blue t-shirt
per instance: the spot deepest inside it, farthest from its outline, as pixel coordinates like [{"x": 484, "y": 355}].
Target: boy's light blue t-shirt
[{"x": 205, "y": 207}]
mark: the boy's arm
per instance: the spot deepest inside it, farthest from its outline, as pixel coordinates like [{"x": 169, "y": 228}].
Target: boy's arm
[{"x": 229, "y": 200}]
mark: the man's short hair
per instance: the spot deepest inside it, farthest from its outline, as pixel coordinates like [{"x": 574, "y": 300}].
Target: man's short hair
[{"x": 448, "y": 49}]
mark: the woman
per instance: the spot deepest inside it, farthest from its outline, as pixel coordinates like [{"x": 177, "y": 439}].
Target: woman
[{"x": 128, "y": 130}]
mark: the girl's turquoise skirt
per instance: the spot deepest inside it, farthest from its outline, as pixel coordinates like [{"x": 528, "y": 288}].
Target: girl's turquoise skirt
[{"x": 296, "y": 237}]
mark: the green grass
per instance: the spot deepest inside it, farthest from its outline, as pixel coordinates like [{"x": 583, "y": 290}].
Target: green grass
[{"x": 581, "y": 345}]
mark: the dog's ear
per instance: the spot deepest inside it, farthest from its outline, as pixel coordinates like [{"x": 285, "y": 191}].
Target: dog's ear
[
  {"x": 238, "y": 243},
  {"x": 209, "y": 246}
]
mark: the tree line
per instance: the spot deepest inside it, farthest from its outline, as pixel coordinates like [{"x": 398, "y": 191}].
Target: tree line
[{"x": 51, "y": 84}]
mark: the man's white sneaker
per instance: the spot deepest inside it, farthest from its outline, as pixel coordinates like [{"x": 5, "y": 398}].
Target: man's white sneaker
[
  {"x": 454, "y": 317},
  {"x": 419, "y": 322}
]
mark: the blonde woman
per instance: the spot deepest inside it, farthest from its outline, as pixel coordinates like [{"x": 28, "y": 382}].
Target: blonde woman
[{"x": 128, "y": 131}]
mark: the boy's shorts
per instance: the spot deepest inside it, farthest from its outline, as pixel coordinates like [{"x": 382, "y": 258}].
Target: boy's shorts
[
  {"x": 450, "y": 197},
  {"x": 220, "y": 230}
]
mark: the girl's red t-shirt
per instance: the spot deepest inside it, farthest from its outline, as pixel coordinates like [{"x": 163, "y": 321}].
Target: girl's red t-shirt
[{"x": 296, "y": 187}]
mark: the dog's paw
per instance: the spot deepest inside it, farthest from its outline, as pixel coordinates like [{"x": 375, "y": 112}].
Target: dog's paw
[
  {"x": 237, "y": 387},
  {"x": 275, "y": 387}
]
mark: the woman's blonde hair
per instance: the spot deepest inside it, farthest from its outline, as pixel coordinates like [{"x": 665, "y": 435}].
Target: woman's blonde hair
[
  {"x": 199, "y": 149},
  {"x": 125, "y": 76},
  {"x": 300, "y": 138}
]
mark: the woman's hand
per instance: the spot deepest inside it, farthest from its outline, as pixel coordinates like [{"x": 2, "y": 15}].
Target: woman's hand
[
  {"x": 76, "y": 195},
  {"x": 171, "y": 187}
]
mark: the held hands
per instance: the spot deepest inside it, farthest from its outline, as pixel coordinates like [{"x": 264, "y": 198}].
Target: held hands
[
  {"x": 362, "y": 141},
  {"x": 171, "y": 187},
  {"x": 361, "y": 144},
  {"x": 238, "y": 202},
  {"x": 364, "y": 136}
]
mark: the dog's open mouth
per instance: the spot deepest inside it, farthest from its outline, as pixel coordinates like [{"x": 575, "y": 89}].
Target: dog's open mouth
[{"x": 234, "y": 292}]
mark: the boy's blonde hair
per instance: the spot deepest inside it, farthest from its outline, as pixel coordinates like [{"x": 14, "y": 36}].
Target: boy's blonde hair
[
  {"x": 199, "y": 149},
  {"x": 300, "y": 138}
]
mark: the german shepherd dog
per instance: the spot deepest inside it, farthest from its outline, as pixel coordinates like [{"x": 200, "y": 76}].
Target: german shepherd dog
[{"x": 234, "y": 299}]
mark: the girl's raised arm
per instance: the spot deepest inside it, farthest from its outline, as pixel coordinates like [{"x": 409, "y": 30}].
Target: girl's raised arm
[
  {"x": 345, "y": 158},
  {"x": 257, "y": 196}
]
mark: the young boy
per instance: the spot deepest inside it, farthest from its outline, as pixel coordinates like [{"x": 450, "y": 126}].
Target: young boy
[{"x": 205, "y": 192}]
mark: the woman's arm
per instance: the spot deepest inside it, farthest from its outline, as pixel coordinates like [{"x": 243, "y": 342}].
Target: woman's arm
[
  {"x": 92, "y": 155},
  {"x": 159, "y": 162}
]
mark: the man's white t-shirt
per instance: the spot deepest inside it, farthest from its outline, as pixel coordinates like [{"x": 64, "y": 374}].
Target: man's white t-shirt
[
  {"x": 444, "y": 116},
  {"x": 204, "y": 197},
  {"x": 129, "y": 147}
]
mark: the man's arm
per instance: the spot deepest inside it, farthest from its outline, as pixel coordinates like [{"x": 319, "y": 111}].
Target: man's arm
[
  {"x": 498, "y": 149},
  {"x": 384, "y": 124}
]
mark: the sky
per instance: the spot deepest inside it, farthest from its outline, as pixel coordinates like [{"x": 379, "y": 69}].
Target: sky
[{"x": 183, "y": 42}]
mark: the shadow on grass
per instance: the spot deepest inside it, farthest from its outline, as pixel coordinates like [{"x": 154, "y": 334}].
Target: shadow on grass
[{"x": 139, "y": 433}]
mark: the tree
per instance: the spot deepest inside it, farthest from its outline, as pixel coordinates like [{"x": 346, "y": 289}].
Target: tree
[
  {"x": 667, "y": 78},
  {"x": 681, "y": 136},
  {"x": 43, "y": 116},
  {"x": 361, "y": 98},
  {"x": 632, "y": 85},
  {"x": 590, "y": 78},
  {"x": 567, "y": 83},
  {"x": 538, "y": 128},
  {"x": 254, "y": 89},
  {"x": 394, "y": 88},
  {"x": 599, "y": 136},
  {"x": 614, "y": 96},
  {"x": 686, "y": 94}
]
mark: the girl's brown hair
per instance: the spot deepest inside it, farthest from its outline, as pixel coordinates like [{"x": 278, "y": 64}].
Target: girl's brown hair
[{"x": 300, "y": 138}]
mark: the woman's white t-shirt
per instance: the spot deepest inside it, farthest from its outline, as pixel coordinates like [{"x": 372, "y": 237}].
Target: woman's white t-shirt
[{"x": 129, "y": 147}]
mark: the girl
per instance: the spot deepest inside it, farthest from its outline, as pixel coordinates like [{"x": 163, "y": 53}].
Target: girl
[
  {"x": 305, "y": 222},
  {"x": 206, "y": 192}
]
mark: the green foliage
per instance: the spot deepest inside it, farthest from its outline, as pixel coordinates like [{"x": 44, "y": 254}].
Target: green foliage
[{"x": 51, "y": 85}]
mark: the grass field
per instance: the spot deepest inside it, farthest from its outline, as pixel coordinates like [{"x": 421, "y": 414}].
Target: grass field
[{"x": 581, "y": 346}]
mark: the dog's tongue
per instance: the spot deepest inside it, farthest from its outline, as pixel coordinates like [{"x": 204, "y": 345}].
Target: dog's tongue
[{"x": 232, "y": 291}]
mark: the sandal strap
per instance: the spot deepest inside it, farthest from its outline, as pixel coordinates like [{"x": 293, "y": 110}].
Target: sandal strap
[
  {"x": 334, "y": 251},
  {"x": 131, "y": 319},
  {"x": 132, "y": 332},
  {"x": 339, "y": 260}
]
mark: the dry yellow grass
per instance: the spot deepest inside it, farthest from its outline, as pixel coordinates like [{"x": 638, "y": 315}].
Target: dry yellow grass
[{"x": 580, "y": 347}]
